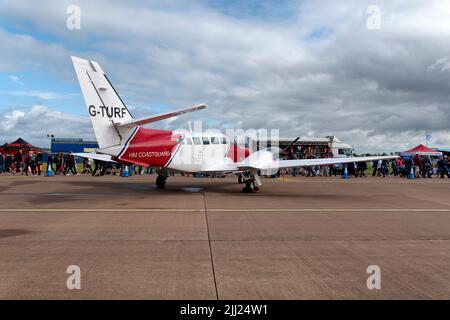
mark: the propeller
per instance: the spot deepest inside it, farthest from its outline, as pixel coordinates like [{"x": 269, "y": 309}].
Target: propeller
[{"x": 291, "y": 144}]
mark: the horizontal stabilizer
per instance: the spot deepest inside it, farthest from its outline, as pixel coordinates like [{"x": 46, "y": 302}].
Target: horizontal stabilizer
[
  {"x": 142, "y": 121},
  {"x": 95, "y": 156}
]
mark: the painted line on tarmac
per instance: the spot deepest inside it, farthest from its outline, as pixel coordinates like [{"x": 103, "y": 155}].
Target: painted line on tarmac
[
  {"x": 357, "y": 180},
  {"x": 101, "y": 210},
  {"x": 228, "y": 210},
  {"x": 330, "y": 210}
]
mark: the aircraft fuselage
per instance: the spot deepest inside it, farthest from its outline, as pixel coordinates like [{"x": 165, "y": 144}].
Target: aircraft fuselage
[{"x": 187, "y": 152}]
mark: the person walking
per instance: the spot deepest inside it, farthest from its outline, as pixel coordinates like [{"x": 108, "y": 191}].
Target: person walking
[
  {"x": 375, "y": 167},
  {"x": 331, "y": 170},
  {"x": 443, "y": 167},
  {"x": 50, "y": 159},
  {"x": 86, "y": 166},
  {"x": 362, "y": 167},
  {"x": 409, "y": 165},
  {"x": 417, "y": 164},
  {"x": 99, "y": 168},
  {"x": 400, "y": 163},
  {"x": 354, "y": 167},
  {"x": 394, "y": 168},
  {"x": 96, "y": 167},
  {"x": 2, "y": 163},
  {"x": 384, "y": 168},
  {"x": 26, "y": 163},
  {"x": 8, "y": 163},
  {"x": 32, "y": 163},
  {"x": 426, "y": 167},
  {"x": 18, "y": 161},
  {"x": 70, "y": 164},
  {"x": 58, "y": 163},
  {"x": 39, "y": 162}
]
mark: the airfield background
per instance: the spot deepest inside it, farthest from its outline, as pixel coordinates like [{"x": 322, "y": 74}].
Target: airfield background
[{"x": 66, "y": 145}]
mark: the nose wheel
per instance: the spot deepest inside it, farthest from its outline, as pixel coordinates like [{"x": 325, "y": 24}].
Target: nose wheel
[
  {"x": 252, "y": 182},
  {"x": 250, "y": 187},
  {"x": 161, "y": 181}
]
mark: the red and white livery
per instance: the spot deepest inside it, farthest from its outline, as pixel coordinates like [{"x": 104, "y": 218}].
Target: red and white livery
[{"x": 122, "y": 139}]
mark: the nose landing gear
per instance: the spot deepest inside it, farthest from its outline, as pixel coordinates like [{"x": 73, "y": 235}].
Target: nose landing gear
[
  {"x": 252, "y": 183},
  {"x": 250, "y": 187}
]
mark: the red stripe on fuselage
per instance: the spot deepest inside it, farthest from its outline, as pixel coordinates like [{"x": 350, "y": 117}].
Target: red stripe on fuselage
[
  {"x": 150, "y": 147},
  {"x": 237, "y": 153}
]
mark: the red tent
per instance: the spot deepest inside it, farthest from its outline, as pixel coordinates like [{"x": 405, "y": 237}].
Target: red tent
[
  {"x": 421, "y": 150},
  {"x": 19, "y": 145}
]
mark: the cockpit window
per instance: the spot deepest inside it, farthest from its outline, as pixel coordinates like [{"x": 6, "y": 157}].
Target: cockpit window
[
  {"x": 223, "y": 140},
  {"x": 215, "y": 140},
  {"x": 205, "y": 140},
  {"x": 188, "y": 141},
  {"x": 197, "y": 140}
]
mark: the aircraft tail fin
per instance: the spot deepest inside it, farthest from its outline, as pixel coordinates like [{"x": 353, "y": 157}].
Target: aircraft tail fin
[{"x": 104, "y": 105}]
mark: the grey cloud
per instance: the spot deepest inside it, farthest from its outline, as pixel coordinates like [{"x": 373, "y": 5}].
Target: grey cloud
[
  {"x": 379, "y": 90},
  {"x": 35, "y": 122}
]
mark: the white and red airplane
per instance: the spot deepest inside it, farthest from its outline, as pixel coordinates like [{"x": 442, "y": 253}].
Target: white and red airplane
[{"x": 122, "y": 139}]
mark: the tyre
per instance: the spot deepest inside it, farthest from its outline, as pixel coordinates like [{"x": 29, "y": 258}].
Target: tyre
[
  {"x": 249, "y": 185},
  {"x": 161, "y": 181}
]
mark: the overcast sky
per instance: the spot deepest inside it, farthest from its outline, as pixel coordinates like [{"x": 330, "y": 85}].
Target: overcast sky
[{"x": 309, "y": 68}]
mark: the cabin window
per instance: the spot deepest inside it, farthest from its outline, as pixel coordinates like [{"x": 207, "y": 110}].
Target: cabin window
[
  {"x": 205, "y": 140},
  {"x": 197, "y": 140}
]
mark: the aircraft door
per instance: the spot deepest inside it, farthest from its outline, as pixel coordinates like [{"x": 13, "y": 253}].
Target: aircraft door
[{"x": 197, "y": 154}]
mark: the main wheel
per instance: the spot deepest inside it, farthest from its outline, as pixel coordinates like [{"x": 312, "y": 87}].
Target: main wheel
[
  {"x": 161, "y": 181},
  {"x": 249, "y": 186}
]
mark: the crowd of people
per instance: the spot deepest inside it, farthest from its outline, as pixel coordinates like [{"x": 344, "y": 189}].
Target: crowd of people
[
  {"x": 31, "y": 163},
  {"x": 66, "y": 164},
  {"x": 26, "y": 163},
  {"x": 419, "y": 166},
  {"x": 422, "y": 166}
]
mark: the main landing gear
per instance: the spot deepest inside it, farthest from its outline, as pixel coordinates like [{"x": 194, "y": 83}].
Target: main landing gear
[
  {"x": 252, "y": 182},
  {"x": 250, "y": 187},
  {"x": 161, "y": 181}
]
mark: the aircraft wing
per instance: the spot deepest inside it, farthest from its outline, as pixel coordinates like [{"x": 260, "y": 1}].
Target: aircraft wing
[
  {"x": 222, "y": 167},
  {"x": 142, "y": 121},
  {"x": 268, "y": 164},
  {"x": 95, "y": 156}
]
